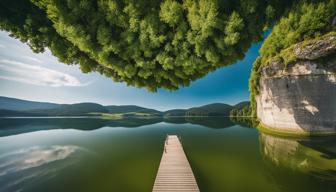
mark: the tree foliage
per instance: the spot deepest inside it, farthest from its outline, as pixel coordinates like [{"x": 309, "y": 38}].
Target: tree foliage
[
  {"x": 145, "y": 43},
  {"x": 241, "y": 112},
  {"x": 305, "y": 20}
]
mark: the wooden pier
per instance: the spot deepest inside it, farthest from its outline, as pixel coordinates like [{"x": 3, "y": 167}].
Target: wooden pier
[{"x": 175, "y": 173}]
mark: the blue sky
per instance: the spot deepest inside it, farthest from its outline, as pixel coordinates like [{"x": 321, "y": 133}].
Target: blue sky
[{"x": 40, "y": 77}]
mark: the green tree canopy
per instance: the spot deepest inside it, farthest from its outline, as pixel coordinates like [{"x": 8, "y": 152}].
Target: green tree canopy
[
  {"x": 145, "y": 43},
  {"x": 304, "y": 20}
]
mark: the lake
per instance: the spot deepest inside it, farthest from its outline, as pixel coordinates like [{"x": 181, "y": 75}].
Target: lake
[{"x": 89, "y": 154}]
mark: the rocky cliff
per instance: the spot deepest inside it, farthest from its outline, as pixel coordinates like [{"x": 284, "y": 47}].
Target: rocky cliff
[{"x": 300, "y": 97}]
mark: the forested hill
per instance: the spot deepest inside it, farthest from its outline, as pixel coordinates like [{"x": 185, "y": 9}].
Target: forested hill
[
  {"x": 176, "y": 112},
  {"x": 77, "y": 109},
  {"x": 241, "y": 109},
  {"x": 19, "y": 104},
  {"x": 11, "y": 107},
  {"x": 129, "y": 109},
  {"x": 215, "y": 109}
]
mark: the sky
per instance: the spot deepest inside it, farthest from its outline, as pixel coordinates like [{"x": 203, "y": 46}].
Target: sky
[{"x": 41, "y": 77}]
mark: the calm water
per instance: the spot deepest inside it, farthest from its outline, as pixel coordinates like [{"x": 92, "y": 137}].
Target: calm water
[{"x": 124, "y": 155}]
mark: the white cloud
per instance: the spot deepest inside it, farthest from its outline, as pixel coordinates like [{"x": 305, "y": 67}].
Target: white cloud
[
  {"x": 33, "y": 59},
  {"x": 2, "y": 46},
  {"x": 36, "y": 75}
]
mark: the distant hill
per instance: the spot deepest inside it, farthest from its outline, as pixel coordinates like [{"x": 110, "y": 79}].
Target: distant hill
[
  {"x": 116, "y": 109},
  {"x": 175, "y": 112},
  {"x": 215, "y": 109},
  {"x": 22, "y": 105},
  {"x": 11, "y": 107},
  {"x": 241, "y": 105},
  {"x": 78, "y": 109},
  {"x": 13, "y": 113},
  {"x": 241, "y": 109}
]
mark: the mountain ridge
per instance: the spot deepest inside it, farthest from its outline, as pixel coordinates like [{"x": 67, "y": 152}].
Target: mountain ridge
[
  {"x": 21, "y": 104},
  {"x": 19, "y": 107}
]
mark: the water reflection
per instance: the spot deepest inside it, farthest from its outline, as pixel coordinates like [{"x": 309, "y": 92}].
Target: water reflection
[
  {"x": 33, "y": 165},
  {"x": 315, "y": 157},
  {"x": 210, "y": 122},
  {"x": 14, "y": 126},
  {"x": 126, "y": 159}
]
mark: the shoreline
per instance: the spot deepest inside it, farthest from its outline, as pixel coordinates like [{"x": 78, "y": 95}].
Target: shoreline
[{"x": 275, "y": 131}]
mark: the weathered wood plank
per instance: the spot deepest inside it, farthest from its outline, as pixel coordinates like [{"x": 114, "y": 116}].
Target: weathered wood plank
[{"x": 175, "y": 173}]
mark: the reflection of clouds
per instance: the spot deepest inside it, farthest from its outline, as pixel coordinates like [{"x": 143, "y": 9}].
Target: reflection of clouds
[
  {"x": 21, "y": 167},
  {"x": 33, "y": 157}
]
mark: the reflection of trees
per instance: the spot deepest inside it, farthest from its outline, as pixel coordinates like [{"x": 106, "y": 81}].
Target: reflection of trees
[
  {"x": 245, "y": 121},
  {"x": 13, "y": 126},
  {"x": 309, "y": 160},
  {"x": 211, "y": 122},
  {"x": 133, "y": 122},
  {"x": 175, "y": 120}
]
